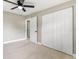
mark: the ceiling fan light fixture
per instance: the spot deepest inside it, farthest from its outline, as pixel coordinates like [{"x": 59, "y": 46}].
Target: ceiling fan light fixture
[{"x": 20, "y": 7}]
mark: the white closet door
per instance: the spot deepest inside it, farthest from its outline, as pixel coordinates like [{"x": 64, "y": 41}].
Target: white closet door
[
  {"x": 33, "y": 29},
  {"x": 59, "y": 26},
  {"x": 67, "y": 31},
  {"x": 57, "y": 30},
  {"x": 49, "y": 30},
  {"x": 64, "y": 29}
]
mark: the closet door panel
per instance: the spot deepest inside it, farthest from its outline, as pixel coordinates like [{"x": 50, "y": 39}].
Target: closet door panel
[
  {"x": 67, "y": 41},
  {"x": 64, "y": 30},
  {"x": 59, "y": 30},
  {"x": 48, "y": 30}
]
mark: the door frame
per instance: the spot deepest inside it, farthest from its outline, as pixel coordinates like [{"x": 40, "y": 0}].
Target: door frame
[{"x": 29, "y": 19}]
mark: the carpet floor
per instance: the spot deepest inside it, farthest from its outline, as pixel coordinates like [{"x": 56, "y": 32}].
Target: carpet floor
[{"x": 28, "y": 50}]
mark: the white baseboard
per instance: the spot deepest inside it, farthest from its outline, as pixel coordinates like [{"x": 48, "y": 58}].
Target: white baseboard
[
  {"x": 12, "y": 41},
  {"x": 39, "y": 43}
]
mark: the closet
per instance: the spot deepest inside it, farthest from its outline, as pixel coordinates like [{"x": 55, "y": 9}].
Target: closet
[{"x": 57, "y": 30}]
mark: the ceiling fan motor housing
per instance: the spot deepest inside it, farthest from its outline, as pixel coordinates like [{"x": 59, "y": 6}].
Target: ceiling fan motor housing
[{"x": 19, "y": 3}]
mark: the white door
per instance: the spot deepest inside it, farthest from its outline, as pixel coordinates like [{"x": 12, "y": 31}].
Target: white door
[
  {"x": 49, "y": 30},
  {"x": 67, "y": 37},
  {"x": 64, "y": 31},
  {"x": 33, "y": 29}
]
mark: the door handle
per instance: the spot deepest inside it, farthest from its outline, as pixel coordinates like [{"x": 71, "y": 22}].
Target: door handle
[{"x": 35, "y": 31}]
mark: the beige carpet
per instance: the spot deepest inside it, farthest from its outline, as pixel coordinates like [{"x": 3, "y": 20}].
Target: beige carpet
[{"x": 27, "y": 50}]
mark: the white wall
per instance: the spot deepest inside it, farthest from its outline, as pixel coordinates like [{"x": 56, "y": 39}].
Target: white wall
[{"x": 13, "y": 27}]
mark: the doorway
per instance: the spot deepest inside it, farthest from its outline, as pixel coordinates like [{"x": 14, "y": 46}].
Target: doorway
[
  {"x": 32, "y": 29},
  {"x": 28, "y": 29}
]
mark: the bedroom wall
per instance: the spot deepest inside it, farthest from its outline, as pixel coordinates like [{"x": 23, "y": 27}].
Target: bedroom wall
[{"x": 13, "y": 27}]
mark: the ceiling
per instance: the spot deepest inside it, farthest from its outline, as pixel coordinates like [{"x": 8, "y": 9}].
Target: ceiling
[{"x": 39, "y": 5}]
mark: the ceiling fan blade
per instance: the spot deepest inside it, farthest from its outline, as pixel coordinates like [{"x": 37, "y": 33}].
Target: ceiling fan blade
[
  {"x": 30, "y": 6},
  {"x": 23, "y": 9},
  {"x": 11, "y": 2},
  {"x": 14, "y": 7}
]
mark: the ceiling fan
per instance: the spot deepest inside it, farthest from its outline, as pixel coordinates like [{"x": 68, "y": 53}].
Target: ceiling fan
[{"x": 20, "y": 5}]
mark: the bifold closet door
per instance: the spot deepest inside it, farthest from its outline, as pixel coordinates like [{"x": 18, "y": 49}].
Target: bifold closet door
[
  {"x": 49, "y": 31},
  {"x": 64, "y": 30},
  {"x": 57, "y": 30}
]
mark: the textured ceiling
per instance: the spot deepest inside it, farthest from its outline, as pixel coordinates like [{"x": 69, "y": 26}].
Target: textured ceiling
[{"x": 39, "y": 5}]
